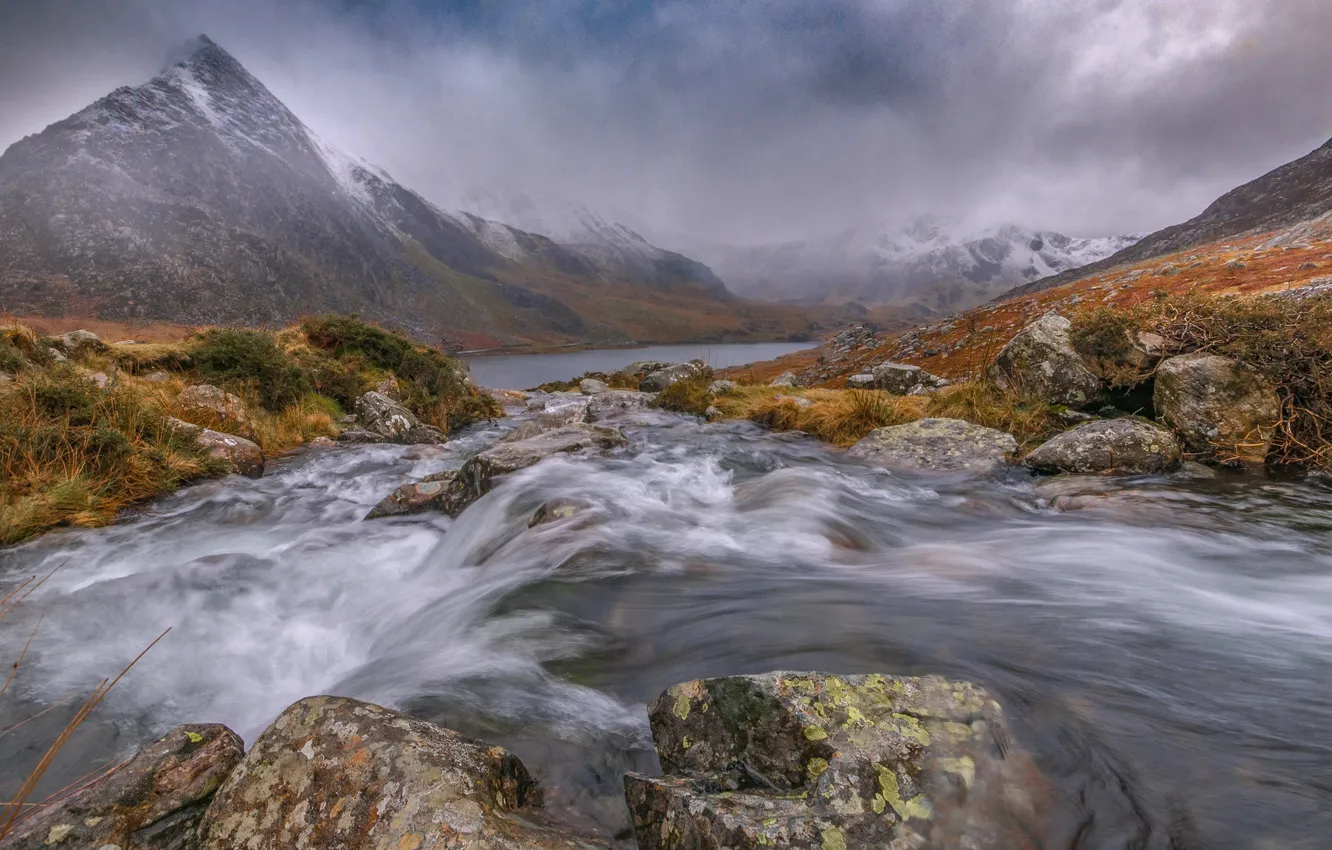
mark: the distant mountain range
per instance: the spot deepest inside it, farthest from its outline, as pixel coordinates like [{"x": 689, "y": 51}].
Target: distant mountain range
[
  {"x": 199, "y": 197},
  {"x": 931, "y": 266},
  {"x": 1297, "y": 198}
]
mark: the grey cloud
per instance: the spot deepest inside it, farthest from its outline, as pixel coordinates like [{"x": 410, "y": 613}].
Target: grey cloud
[{"x": 749, "y": 120}]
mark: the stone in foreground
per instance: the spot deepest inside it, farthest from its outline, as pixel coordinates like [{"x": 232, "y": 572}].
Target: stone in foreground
[
  {"x": 381, "y": 415},
  {"x": 478, "y": 476},
  {"x": 591, "y": 386},
  {"x": 245, "y": 457},
  {"x": 808, "y": 760},
  {"x": 79, "y": 343},
  {"x": 337, "y": 773},
  {"x": 1217, "y": 406},
  {"x": 1133, "y": 446},
  {"x": 945, "y": 445},
  {"x": 212, "y": 406},
  {"x": 1041, "y": 360},
  {"x": 153, "y": 802},
  {"x": 663, "y": 378},
  {"x": 423, "y": 496}
]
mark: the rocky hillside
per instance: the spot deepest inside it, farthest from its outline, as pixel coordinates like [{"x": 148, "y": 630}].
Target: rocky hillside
[
  {"x": 198, "y": 197},
  {"x": 1297, "y": 192},
  {"x": 931, "y": 267}
]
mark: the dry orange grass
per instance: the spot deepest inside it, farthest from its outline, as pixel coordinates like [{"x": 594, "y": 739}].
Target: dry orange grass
[{"x": 840, "y": 417}]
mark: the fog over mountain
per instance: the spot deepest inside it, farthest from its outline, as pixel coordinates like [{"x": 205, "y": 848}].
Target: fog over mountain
[{"x": 750, "y": 123}]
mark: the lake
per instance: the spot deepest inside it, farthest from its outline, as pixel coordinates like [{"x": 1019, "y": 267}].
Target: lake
[{"x": 524, "y": 371}]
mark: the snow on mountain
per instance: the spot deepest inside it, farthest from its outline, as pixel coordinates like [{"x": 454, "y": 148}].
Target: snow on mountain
[{"x": 934, "y": 263}]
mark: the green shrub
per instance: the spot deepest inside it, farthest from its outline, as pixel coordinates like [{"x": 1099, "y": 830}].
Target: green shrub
[
  {"x": 11, "y": 360},
  {"x": 251, "y": 360}
]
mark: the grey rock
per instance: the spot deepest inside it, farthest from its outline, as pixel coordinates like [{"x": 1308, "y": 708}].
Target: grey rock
[
  {"x": 1218, "y": 406},
  {"x": 722, "y": 387},
  {"x": 901, "y": 378},
  {"x": 1129, "y": 445},
  {"x": 557, "y": 510},
  {"x": 809, "y": 760},
  {"x": 946, "y": 445},
  {"x": 663, "y": 378},
  {"x": 337, "y": 773},
  {"x": 479, "y": 475},
  {"x": 210, "y": 406},
  {"x": 245, "y": 457},
  {"x": 154, "y": 801},
  {"x": 713, "y": 413},
  {"x": 860, "y": 382},
  {"x": 591, "y": 386},
  {"x": 609, "y": 405},
  {"x": 381, "y": 415},
  {"x": 645, "y": 367},
  {"x": 80, "y": 343},
  {"x": 158, "y": 377},
  {"x": 1040, "y": 359},
  {"x": 526, "y": 430},
  {"x": 786, "y": 379},
  {"x": 559, "y": 409},
  {"x": 360, "y": 436},
  {"x": 57, "y": 356},
  {"x": 423, "y": 496}
]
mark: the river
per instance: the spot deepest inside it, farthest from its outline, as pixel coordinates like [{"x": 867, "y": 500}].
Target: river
[
  {"x": 524, "y": 371},
  {"x": 1166, "y": 654}
]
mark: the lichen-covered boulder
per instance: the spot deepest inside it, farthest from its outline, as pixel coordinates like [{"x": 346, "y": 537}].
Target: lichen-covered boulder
[
  {"x": 152, "y": 802},
  {"x": 645, "y": 367},
  {"x": 1218, "y": 406},
  {"x": 423, "y": 496},
  {"x": 1041, "y": 360},
  {"x": 609, "y": 405},
  {"x": 663, "y": 378},
  {"x": 210, "y": 406},
  {"x": 78, "y": 343},
  {"x": 722, "y": 387},
  {"x": 478, "y": 476},
  {"x": 903, "y": 378},
  {"x": 245, "y": 457},
  {"x": 337, "y": 773},
  {"x": 808, "y": 760},
  {"x": 786, "y": 379},
  {"x": 946, "y": 445},
  {"x": 1127, "y": 445},
  {"x": 381, "y": 415},
  {"x": 863, "y": 381},
  {"x": 591, "y": 386}
]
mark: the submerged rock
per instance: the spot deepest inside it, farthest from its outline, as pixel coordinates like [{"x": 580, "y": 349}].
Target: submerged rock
[
  {"x": 425, "y": 495},
  {"x": 903, "y": 379},
  {"x": 152, "y": 802},
  {"x": 1041, "y": 360},
  {"x": 609, "y": 405},
  {"x": 337, "y": 773},
  {"x": 478, "y": 476},
  {"x": 525, "y": 431},
  {"x": 1127, "y": 445},
  {"x": 216, "y": 407},
  {"x": 556, "y": 510},
  {"x": 559, "y": 409},
  {"x": 808, "y": 760},
  {"x": 939, "y": 444},
  {"x": 1218, "y": 406},
  {"x": 381, "y": 415}
]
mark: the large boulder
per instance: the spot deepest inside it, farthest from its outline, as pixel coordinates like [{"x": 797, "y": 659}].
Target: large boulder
[
  {"x": 245, "y": 457},
  {"x": 1218, "y": 406},
  {"x": 591, "y": 386},
  {"x": 946, "y": 445},
  {"x": 903, "y": 378},
  {"x": 80, "y": 343},
  {"x": 208, "y": 405},
  {"x": 1041, "y": 360},
  {"x": 722, "y": 387},
  {"x": 478, "y": 476},
  {"x": 645, "y": 367},
  {"x": 381, "y": 415},
  {"x": 615, "y": 403},
  {"x": 152, "y": 802},
  {"x": 786, "y": 379},
  {"x": 1128, "y": 445},
  {"x": 663, "y": 378},
  {"x": 808, "y": 760},
  {"x": 420, "y": 497},
  {"x": 337, "y": 773}
]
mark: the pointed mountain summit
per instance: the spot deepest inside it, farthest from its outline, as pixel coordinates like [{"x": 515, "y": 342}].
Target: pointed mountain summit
[{"x": 199, "y": 197}]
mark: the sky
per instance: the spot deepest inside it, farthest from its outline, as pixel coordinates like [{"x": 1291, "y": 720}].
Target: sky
[{"x": 749, "y": 121}]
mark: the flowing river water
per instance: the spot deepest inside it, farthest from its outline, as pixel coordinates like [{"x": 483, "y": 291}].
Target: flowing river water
[{"x": 1165, "y": 652}]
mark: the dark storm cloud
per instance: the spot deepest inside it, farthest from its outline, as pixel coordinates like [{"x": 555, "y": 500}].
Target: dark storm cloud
[{"x": 751, "y": 119}]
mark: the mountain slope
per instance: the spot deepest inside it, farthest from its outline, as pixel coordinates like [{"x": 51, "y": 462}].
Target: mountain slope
[
  {"x": 199, "y": 197},
  {"x": 1296, "y": 192},
  {"x": 933, "y": 265}
]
